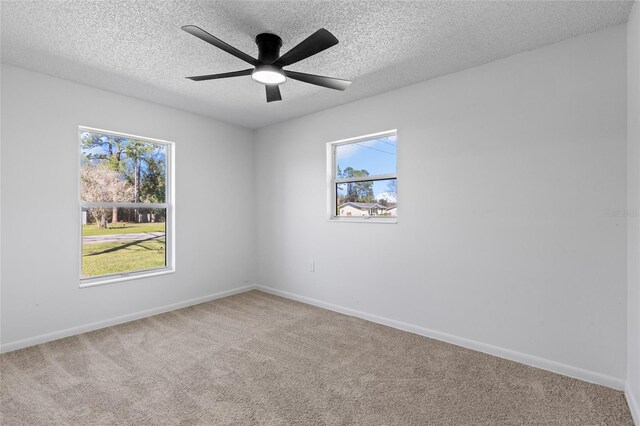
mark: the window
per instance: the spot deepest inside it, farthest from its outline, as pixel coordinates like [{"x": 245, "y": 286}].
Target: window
[
  {"x": 363, "y": 178},
  {"x": 126, "y": 208}
]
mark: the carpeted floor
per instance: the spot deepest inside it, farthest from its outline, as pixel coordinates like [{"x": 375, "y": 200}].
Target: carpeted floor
[{"x": 255, "y": 358}]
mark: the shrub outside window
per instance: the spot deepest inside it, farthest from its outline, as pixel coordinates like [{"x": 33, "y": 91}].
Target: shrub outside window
[
  {"x": 363, "y": 178},
  {"x": 126, "y": 209}
]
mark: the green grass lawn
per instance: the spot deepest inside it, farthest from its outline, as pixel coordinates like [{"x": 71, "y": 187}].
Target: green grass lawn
[
  {"x": 127, "y": 256},
  {"x": 122, "y": 228}
]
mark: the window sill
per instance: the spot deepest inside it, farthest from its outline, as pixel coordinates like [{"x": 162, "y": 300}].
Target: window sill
[
  {"x": 93, "y": 282},
  {"x": 389, "y": 220}
]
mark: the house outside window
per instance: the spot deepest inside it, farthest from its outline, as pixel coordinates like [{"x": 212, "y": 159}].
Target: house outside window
[
  {"x": 126, "y": 206},
  {"x": 362, "y": 176}
]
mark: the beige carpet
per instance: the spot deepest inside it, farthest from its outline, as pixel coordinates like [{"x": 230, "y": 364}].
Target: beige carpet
[{"x": 260, "y": 359}]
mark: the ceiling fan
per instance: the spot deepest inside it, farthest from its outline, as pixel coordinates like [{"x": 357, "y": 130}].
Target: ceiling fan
[{"x": 268, "y": 68}]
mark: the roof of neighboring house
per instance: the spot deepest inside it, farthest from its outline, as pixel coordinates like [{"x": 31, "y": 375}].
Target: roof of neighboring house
[{"x": 363, "y": 206}]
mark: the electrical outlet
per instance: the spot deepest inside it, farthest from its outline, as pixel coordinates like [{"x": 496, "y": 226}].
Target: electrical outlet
[{"x": 312, "y": 266}]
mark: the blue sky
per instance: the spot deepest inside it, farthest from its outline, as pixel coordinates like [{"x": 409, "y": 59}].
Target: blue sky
[{"x": 377, "y": 156}]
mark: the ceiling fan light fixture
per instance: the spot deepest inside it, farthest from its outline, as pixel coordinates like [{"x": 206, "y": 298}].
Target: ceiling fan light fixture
[{"x": 268, "y": 74}]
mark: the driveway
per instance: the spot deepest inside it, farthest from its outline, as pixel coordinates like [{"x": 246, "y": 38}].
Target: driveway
[{"x": 94, "y": 239}]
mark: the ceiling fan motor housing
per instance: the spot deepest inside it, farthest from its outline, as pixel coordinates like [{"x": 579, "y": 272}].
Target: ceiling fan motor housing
[
  {"x": 268, "y": 52},
  {"x": 268, "y": 47}
]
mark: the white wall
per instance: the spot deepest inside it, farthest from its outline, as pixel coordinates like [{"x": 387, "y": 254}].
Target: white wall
[
  {"x": 633, "y": 220},
  {"x": 506, "y": 172},
  {"x": 40, "y": 253}
]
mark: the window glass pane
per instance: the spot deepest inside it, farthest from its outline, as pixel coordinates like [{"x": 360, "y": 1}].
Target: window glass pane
[
  {"x": 366, "y": 158},
  {"x": 120, "y": 169},
  {"x": 367, "y": 198},
  {"x": 135, "y": 241}
]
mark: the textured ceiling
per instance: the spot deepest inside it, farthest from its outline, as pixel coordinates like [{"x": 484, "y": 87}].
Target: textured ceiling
[{"x": 137, "y": 48}]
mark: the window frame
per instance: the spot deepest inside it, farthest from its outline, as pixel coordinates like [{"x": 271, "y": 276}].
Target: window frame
[
  {"x": 168, "y": 205},
  {"x": 333, "y": 181}
]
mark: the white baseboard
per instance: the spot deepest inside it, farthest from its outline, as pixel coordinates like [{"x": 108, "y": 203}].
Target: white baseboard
[
  {"x": 634, "y": 405},
  {"x": 534, "y": 361},
  {"x": 43, "y": 338}
]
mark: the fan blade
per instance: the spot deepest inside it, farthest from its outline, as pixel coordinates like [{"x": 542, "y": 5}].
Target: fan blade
[
  {"x": 203, "y": 35},
  {"x": 273, "y": 93},
  {"x": 319, "y": 80},
  {"x": 223, "y": 75},
  {"x": 315, "y": 43}
]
